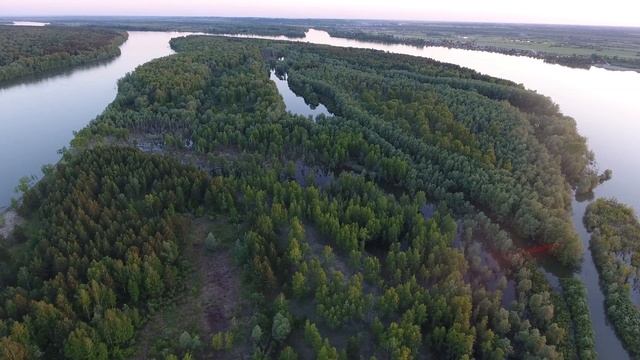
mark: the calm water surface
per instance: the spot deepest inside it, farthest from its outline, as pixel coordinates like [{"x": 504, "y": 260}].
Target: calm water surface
[
  {"x": 29, "y": 23},
  {"x": 38, "y": 117},
  {"x": 606, "y": 106}
]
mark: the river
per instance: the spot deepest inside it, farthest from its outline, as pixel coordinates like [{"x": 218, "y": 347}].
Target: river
[{"x": 39, "y": 117}]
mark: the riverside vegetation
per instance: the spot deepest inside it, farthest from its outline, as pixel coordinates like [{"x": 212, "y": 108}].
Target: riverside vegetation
[
  {"x": 615, "y": 244},
  {"x": 384, "y": 231}
]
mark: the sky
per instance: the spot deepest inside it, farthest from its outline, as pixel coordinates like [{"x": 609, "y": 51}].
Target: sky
[{"x": 584, "y": 12}]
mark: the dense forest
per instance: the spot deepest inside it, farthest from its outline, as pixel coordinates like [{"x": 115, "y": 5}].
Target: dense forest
[
  {"x": 615, "y": 245},
  {"x": 196, "y": 218},
  {"x": 30, "y": 50}
]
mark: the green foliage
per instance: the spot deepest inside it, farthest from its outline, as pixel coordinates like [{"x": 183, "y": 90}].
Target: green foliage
[
  {"x": 81, "y": 345},
  {"x": 222, "y": 341},
  {"x": 188, "y": 341},
  {"x": 418, "y": 128},
  {"x": 211, "y": 243},
  {"x": 96, "y": 252},
  {"x": 575, "y": 295},
  {"x": 281, "y": 327},
  {"x": 339, "y": 302},
  {"x": 256, "y": 334},
  {"x": 312, "y": 336},
  {"x": 288, "y": 354}
]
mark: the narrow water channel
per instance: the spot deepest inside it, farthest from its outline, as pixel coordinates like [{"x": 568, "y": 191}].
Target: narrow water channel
[{"x": 296, "y": 104}]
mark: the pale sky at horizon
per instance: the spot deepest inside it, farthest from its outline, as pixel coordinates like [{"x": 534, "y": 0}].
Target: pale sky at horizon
[{"x": 585, "y": 12}]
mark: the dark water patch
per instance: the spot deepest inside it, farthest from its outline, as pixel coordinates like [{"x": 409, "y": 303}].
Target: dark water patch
[
  {"x": 306, "y": 175},
  {"x": 509, "y": 293},
  {"x": 458, "y": 240},
  {"x": 634, "y": 289},
  {"x": 150, "y": 146},
  {"x": 552, "y": 279},
  {"x": 428, "y": 210}
]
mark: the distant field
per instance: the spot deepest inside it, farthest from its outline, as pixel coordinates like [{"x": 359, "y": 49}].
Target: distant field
[{"x": 570, "y": 45}]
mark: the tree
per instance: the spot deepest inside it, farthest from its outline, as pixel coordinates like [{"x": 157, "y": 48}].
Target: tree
[
  {"x": 256, "y": 334},
  {"x": 298, "y": 285},
  {"x": 189, "y": 342},
  {"x": 13, "y": 350},
  {"x": 211, "y": 242},
  {"x": 312, "y": 336},
  {"x": 281, "y": 327},
  {"x": 288, "y": 354},
  {"x": 115, "y": 328},
  {"x": 82, "y": 345}
]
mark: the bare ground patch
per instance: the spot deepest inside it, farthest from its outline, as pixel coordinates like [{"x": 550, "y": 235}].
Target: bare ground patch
[{"x": 211, "y": 301}]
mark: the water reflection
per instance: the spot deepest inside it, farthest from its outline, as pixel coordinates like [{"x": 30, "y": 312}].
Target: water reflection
[
  {"x": 296, "y": 104},
  {"x": 29, "y": 23}
]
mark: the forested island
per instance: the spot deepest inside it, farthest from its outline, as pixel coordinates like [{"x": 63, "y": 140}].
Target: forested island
[
  {"x": 196, "y": 218},
  {"x": 615, "y": 244},
  {"x": 28, "y": 50}
]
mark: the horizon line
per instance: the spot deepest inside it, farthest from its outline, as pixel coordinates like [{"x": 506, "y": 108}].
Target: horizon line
[{"x": 25, "y": 17}]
